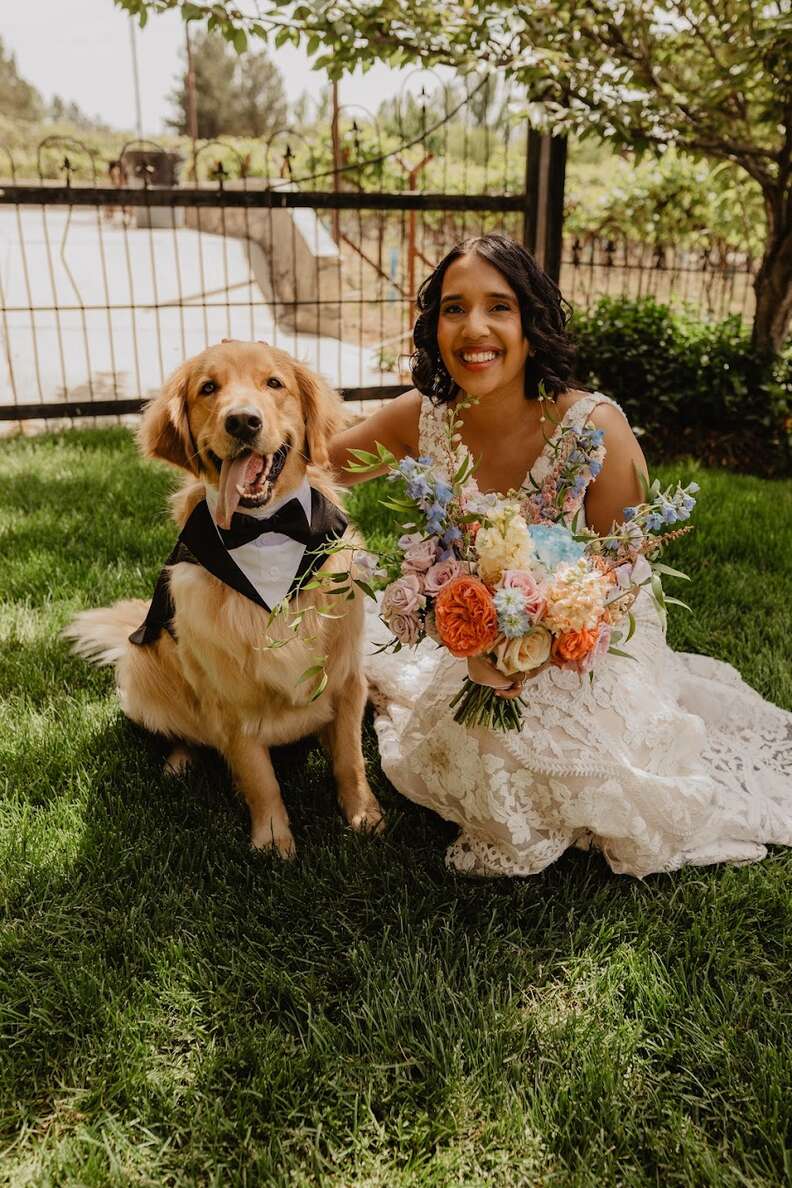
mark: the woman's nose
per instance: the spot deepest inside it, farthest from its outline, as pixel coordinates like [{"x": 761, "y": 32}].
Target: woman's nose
[{"x": 476, "y": 324}]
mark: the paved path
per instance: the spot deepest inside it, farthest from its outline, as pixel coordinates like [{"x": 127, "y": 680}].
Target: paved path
[{"x": 172, "y": 291}]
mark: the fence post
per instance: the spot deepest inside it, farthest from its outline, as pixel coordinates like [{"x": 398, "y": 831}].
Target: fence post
[{"x": 545, "y": 174}]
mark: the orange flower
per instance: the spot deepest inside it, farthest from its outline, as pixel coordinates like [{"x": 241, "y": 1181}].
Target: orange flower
[
  {"x": 465, "y": 616},
  {"x": 574, "y": 645}
]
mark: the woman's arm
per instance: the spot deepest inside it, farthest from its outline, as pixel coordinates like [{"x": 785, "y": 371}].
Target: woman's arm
[
  {"x": 394, "y": 426},
  {"x": 617, "y": 485}
]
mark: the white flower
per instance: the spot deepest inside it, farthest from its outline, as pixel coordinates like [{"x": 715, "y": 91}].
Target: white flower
[{"x": 504, "y": 542}]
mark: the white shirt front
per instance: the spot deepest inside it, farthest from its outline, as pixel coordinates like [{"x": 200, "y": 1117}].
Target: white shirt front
[{"x": 270, "y": 562}]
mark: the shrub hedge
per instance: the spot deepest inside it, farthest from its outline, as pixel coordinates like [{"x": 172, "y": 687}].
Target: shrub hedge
[{"x": 691, "y": 387}]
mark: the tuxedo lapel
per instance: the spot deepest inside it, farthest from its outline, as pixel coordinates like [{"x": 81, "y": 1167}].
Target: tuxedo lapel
[
  {"x": 201, "y": 537},
  {"x": 327, "y": 522},
  {"x": 200, "y": 543}
]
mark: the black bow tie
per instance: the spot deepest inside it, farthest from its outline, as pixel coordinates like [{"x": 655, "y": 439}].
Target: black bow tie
[
  {"x": 289, "y": 520},
  {"x": 201, "y": 542}
]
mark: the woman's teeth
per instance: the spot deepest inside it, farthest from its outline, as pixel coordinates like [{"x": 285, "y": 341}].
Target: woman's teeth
[{"x": 478, "y": 356}]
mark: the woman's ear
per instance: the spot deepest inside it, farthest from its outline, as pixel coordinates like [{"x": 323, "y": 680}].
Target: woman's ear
[
  {"x": 165, "y": 429},
  {"x": 323, "y": 412}
]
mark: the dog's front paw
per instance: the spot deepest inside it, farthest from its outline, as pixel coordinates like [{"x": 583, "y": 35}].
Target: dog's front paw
[
  {"x": 362, "y": 811},
  {"x": 266, "y": 837},
  {"x": 177, "y": 762}
]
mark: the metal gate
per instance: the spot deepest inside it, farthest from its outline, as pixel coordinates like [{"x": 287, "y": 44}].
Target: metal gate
[{"x": 315, "y": 241}]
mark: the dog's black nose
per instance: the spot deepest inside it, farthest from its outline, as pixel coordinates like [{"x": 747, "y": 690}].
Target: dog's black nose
[{"x": 243, "y": 423}]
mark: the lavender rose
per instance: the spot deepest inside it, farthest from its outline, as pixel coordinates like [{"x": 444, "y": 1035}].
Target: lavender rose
[
  {"x": 441, "y": 574},
  {"x": 406, "y": 628},
  {"x": 419, "y": 554},
  {"x": 403, "y": 597}
]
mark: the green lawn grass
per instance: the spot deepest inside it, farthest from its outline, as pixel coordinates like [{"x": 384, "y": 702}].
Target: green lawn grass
[{"x": 178, "y": 1010}]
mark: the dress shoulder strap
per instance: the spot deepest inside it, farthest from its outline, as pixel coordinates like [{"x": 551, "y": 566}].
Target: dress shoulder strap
[
  {"x": 580, "y": 412},
  {"x": 589, "y": 403}
]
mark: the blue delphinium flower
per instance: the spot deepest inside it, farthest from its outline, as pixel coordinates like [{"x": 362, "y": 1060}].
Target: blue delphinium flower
[
  {"x": 418, "y": 487},
  {"x": 407, "y": 467},
  {"x": 554, "y": 543},
  {"x": 654, "y": 522},
  {"x": 629, "y": 513},
  {"x": 510, "y": 605},
  {"x": 595, "y": 467},
  {"x": 592, "y": 438}
]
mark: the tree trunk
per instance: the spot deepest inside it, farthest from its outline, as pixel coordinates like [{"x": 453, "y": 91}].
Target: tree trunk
[{"x": 773, "y": 283}]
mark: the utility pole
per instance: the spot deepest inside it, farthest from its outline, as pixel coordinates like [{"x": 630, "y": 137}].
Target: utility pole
[
  {"x": 192, "y": 106},
  {"x": 336, "y": 156},
  {"x": 136, "y": 79}
]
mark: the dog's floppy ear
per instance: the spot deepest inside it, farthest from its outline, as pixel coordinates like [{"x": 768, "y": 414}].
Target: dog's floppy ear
[
  {"x": 165, "y": 429},
  {"x": 323, "y": 412}
]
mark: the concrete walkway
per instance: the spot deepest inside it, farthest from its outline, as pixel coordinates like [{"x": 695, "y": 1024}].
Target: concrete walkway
[{"x": 170, "y": 291}]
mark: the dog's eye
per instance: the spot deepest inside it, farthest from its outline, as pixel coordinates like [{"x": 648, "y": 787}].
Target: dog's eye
[
  {"x": 209, "y": 387},
  {"x": 274, "y": 382}
]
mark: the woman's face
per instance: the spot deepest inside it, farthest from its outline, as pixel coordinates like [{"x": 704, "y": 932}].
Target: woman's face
[{"x": 479, "y": 330}]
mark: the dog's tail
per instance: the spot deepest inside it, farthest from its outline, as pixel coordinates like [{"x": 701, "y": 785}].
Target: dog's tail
[{"x": 102, "y": 636}]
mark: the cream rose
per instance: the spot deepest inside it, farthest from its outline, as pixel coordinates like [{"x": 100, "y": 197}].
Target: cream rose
[{"x": 525, "y": 653}]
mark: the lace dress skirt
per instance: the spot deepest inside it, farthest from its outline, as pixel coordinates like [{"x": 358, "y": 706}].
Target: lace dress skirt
[{"x": 665, "y": 760}]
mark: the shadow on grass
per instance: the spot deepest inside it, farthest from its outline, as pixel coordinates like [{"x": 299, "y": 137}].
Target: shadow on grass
[{"x": 253, "y": 1013}]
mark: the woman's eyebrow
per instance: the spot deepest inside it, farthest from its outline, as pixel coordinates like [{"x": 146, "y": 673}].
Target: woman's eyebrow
[{"x": 458, "y": 296}]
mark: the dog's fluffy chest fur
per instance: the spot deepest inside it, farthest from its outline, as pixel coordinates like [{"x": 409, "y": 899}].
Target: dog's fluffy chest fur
[{"x": 225, "y": 642}]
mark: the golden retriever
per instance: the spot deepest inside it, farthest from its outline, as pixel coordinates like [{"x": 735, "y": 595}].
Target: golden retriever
[{"x": 229, "y": 417}]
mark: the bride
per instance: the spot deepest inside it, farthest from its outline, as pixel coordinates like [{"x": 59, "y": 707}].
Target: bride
[{"x": 669, "y": 761}]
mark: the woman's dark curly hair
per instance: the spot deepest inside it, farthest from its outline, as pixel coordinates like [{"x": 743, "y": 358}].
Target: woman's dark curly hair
[{"x": 543, "y": 311}]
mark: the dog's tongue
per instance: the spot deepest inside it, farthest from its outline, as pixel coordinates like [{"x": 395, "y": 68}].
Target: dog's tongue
[{"x": 239, "y": 471}]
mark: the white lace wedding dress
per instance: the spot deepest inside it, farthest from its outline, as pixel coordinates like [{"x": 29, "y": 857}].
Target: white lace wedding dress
[{"x": 665, "y": 760}]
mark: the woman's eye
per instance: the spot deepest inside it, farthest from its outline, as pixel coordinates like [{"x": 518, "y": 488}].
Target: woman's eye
[
  {"x": 208, "y": 387},
  {"x": 501, "y": 307},
  {"x": 452, "y": 309},
  {"x": 274, "y": 382}
]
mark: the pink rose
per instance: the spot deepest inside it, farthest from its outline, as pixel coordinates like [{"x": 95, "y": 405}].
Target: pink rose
[
  {"x": 403, "y": 597},
  {"x": 419, "y": 554},
  {"x": 406, "y": 628},
  {"x": 600, "y": 648},
  {"x": 535, "y": 603},
  {"x": 441, "y": 574}
]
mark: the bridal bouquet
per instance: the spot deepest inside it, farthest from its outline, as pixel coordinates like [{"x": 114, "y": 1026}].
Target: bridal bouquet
[{"x": 503, "y": 578}]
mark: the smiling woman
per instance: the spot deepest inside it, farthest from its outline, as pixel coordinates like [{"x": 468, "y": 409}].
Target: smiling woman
[
  {"x": 666, "y": 759},
  {"x": 465, "y": 309}
]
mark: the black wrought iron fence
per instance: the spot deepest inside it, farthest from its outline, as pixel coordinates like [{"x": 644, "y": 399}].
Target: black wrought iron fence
[
  {"x": 713, "y": 280},
  {"x": 109, "y": 276},
  {"x": 315, "y": 240}
]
